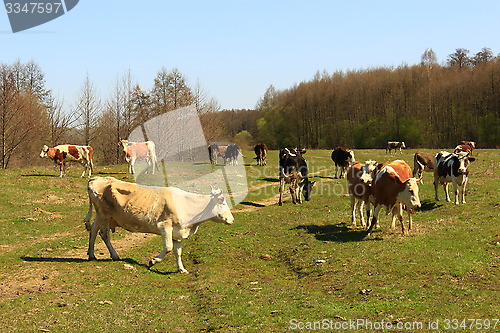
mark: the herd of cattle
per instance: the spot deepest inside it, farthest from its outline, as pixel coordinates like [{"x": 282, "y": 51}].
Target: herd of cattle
[{"x": 176, "y": 214}]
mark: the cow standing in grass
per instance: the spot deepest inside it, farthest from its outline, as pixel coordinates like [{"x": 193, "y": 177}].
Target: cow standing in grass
[
  {"x": 70, "y": 153},
  {"x": 260, "y": 150},
  {"x": 167, "y": 211},
  {"x": 452, "y": 168},
  {"x": 139, "y": 150},
  {"x": 294, "y": 171},
  {"x": 359, "y": 182},
  {"x": 342, "y": 159},
  {"x": 392, "y": 188}
]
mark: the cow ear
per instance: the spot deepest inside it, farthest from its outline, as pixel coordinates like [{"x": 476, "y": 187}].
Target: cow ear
[{"x": 471, "y": 159}]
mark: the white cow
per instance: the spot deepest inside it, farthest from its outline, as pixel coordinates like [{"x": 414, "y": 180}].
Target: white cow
[{"x": 167, "y": 211}]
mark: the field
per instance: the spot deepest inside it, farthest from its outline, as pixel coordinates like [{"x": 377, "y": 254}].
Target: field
[{"x": 276, "y": 269}]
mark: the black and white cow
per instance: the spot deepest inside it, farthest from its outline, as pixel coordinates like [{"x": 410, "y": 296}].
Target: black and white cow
[
  {"x": 294, "y": 171},
  {"x": 452, "y": 168},
  {"x": 342, "y": 158},
  {"x": 232, "y": 154}
]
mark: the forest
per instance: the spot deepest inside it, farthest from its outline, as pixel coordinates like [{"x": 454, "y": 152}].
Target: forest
[{"x": 426, "y": 105}]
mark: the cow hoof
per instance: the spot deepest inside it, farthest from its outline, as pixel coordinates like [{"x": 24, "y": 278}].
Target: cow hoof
[
  {"x": 92, "y": 258},
  {"x": 183, "y": 271},
  {"x": 115, "y": 258}
]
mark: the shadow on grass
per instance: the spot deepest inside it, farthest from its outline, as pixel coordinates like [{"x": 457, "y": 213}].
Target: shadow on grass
[
  {"x": 40, "y": 175},
  {"x": 427, "y": 205},
  {"x": 270, "y": 179},
  {"x": 80, "y": 260},
  {"x": 252, "y": 204},
  {"x": 336, "y": 233}
]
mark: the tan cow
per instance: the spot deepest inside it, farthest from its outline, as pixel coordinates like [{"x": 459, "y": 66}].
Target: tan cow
[
  {"x": 422, "y": 162},
  {"x": 167, "y": 211},
  {"x": 70, "y": 153},
  {"x": 392, "y": 188},
  {"x": 139, "y": 150}
]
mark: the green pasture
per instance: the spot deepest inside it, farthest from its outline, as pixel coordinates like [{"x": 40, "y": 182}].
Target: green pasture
[{"x": 276, "y": 269}]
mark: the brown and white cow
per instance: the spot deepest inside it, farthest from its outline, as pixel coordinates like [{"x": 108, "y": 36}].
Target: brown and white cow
[
  {"x": 261, "y": 150},
  {"x": 472, "y": 144},
  {"x": 422, "y": 162},
  {"x": 342, "y": 159},
  {"x": 359, "y": 188},
  {"x": 167, "y": 211},
  {"x": 463, "y": 148},
  {"x": 452, "y": 168},
  {"x": 394, "y": 145},
  {"x": 70, "y": 153},
  {"x": 392, "y": 188},
  {"x": 139, "y": 150}
]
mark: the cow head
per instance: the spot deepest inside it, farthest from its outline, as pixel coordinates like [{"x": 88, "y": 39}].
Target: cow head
[
  {"x": 403, "y": 145},
  {"x": 409, "y": 196},
  {"x": 44, "y": 152},
  {"x": 220, "y": 208},
  {"x": 367, "y": 171},
  {"x": 463, "y": 162},
  {"x": 351, "y": 158}
]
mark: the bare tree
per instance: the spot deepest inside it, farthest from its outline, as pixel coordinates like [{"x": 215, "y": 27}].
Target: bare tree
[
  {"x": 88, "y": 111},
  {"x": 202, "y": 102},
  {"x": 170, "y": 91},
  {"x": 21, "y": 113},
  {"x": 59, "y": 122},
  {"x": 482, "y": 57}
]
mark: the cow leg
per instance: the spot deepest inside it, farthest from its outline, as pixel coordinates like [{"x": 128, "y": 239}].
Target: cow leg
[
  {"x": 336, "y": 171},
  {"x": 436, "y": 188},
  {"x": 92, "y": 236},
  {"x": 368, "y": 213},
  {"x": 374, "y": 220},
  {"x": 446, "y": 193},
  {"x": 104, "y": 233},
  {"x": 85, "y": 166},
  {"x": 177, "y": 254},
  {"x": 282, "y": 185},
  {"x": 410, "y": 222},
  {"x": 293, "y": 191},
  {"x": 456, "y": 190},
  {"x": 463, "y": 189},
  {"x": 131, "y": 168},
  {"x": 62, "y": 169},
  {"x": 354, "y": 205},
  {"x": 166, "y": 235}
]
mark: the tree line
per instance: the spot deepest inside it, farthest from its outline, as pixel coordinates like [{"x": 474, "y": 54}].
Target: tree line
[{"x": 426, "y": 105}]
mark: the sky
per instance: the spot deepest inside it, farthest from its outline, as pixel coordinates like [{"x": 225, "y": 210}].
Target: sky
[{"x": 236, "y": 49}]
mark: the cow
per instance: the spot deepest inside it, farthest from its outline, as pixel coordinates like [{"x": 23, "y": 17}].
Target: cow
[
  {"x": 231, "y": 154},
  {"x": 167, "y": 211},
  {"x": 139, "y": 150},
  {"x": 261, "y": 153},
  {"x": 392, "y": 188},
  {"x": 342, "y": 158},
  {"x": 452, "y": 168},
  {"x": 464, "y": 148},
  {"x": 294, "y": 171},
  {"x": 422, "y": 162},
  {"x": 213, "y": 152},
  {"x": 394, "y": 145},
  {"x": 70, "y": 153},
  {"x": 472, "y": 144},
  {"x": 359, "y": 188}
]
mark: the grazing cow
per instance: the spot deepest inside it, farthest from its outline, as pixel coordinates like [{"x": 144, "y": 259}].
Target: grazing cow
[
  {"x": 342, "y": 158},
  {"x": 293, "y": 170},
  {"x": 261, "y": 153},
  {"x": 70, "y": 153},
  {"x": 394, "y": 145},
  {"x": 139, "y": 150},
  {"x": 422, "y": 162},
  {"x": 392, "y": 188},
  {"x": 167, "y": 211},
  {"x": 359, "y": 188},
  {"x": 452, "y": 168},
  {"x": 231, "y": 154},
  {"x": 463, "y": 148}
]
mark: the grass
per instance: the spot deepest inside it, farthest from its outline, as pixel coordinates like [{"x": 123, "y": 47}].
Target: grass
[{"x": 275, "y": 266}]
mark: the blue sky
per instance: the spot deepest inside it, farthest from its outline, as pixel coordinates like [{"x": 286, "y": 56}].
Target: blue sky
[{"x": 237, "y": 49}]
